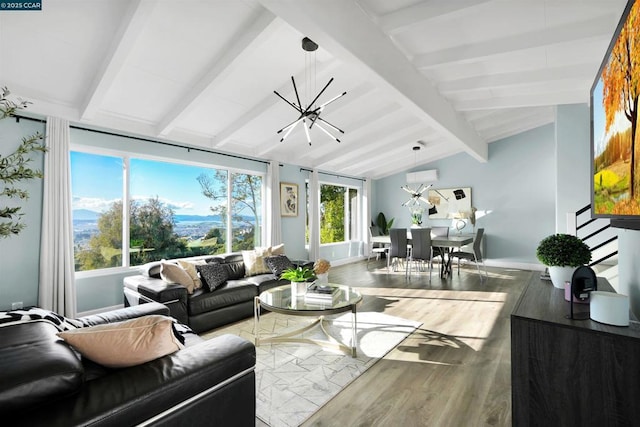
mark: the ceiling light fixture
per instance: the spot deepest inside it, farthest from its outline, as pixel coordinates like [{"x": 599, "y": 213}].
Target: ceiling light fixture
[
  {"x": 309, "y": 115},
  {"x": 416, "y": 195}
]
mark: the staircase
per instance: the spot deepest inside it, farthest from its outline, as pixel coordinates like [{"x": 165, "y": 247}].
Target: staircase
[{"x": 598, "y": 234}]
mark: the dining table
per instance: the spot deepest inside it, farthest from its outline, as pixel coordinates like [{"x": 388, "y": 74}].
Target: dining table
[{"x": 446, "y": 243}]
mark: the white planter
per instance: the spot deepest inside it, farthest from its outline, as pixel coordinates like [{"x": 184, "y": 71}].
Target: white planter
[
  {"x": 559, "y": 275},
  {"x": 298, "y": 289}
]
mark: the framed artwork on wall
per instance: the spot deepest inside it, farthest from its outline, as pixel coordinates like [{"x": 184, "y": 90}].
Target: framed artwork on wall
[
  {"x": 288, "y": 199},
  {"x": 449, "y": 202}
]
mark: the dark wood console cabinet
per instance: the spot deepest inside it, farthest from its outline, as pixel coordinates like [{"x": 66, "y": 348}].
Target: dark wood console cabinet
[{"x": 571, "y": 372}]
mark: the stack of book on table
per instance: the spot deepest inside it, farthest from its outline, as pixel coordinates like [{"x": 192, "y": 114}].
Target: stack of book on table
[{"x": 322, "y": 294}]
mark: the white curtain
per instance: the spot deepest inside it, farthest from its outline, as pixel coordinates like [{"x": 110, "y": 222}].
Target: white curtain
[
  {"x": 314, "y": 219},
  {"x": 57, "y": 288},
  {"x": 274, "y": 223},
  {"x": 366, "y": 216}
]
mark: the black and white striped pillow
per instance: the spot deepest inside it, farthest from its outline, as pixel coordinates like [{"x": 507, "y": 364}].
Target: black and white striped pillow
[{"x": 37, "y": 313}]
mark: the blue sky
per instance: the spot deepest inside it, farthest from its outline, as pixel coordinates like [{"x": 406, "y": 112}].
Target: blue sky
[{"x": 97, "y": 182}]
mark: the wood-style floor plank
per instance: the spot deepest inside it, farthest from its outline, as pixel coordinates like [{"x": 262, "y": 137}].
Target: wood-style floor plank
[{"x": 454, "y": 371}]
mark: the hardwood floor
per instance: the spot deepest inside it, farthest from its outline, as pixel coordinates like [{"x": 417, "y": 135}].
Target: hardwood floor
[{"x": 453, "y": 371}]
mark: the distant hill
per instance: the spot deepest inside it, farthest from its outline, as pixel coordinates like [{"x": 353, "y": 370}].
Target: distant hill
[
  {"x": 203, "y": 218},
  {"x": 85, "y": 215}
]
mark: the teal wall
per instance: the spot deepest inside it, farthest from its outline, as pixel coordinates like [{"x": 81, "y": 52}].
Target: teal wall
[
  {"x": 515, "y": 189},
  {"x": 20, "y": 255}
]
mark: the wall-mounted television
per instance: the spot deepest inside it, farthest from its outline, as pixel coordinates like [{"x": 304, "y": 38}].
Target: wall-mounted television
[{"x": 615, "y": 128}]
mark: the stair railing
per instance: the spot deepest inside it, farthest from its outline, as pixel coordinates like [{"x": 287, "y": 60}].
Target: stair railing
[{"x": 577, "y": 223}]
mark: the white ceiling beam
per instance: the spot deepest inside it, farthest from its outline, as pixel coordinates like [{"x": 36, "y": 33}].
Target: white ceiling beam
[
  {"x": 345, "y": 30},
  {"x": 530, "y": 100},
  {"x": 501, "y": 118},
  {"x": 219, "y": 67},
  {"x": 123, "y": 41},
  {"x": 366, "y": 151},
  {"x": 593, "y": 28},
  {"x": 516, "y": 127},
  {"x": 520, "y": 78},
  {"x": 405, "y": 18},
  {"x": 438, "y": 152},
  {"x": 402, "y": 159},
  {"x": 356, "y": 129}
]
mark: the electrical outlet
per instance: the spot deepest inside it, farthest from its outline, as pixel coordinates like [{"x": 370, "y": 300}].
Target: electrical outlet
[{"x": 16, "y": 305}]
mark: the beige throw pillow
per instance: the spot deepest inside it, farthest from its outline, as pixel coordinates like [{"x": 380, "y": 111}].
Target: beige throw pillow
[
  {"x": 173, "y": 273},
  {"x": 190, "y": 268},
  {"x": 277, "y": 249},
  {"x": 254, "y": 261},
  {"x": 128, "y": 343}
]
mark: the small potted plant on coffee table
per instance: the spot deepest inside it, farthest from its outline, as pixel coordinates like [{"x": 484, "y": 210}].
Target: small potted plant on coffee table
[
  {"x": 562, "y": 253},
  {"x": 298, "y": 276}
]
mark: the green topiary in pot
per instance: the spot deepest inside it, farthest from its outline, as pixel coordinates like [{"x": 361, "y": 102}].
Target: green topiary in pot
[{"x": 563, "y": 250}]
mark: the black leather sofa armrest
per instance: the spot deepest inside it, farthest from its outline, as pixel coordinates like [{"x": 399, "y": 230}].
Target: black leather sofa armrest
[
  {"x": 125, "y": 314},
  {"x": 132, "y": 395},
  {"x": 150, "y": 289}
]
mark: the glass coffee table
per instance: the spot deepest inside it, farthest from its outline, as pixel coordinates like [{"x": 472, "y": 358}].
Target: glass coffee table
[{"x": 281, "y": 300}]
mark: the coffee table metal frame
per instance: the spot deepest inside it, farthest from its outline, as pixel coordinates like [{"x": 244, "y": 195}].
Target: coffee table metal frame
[{"x": 300, "y": 308}]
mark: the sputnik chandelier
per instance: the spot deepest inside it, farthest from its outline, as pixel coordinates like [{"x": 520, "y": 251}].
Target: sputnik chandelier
[
  {"x": 416, "y": 195},
  {"x": 309, "y": 116}
]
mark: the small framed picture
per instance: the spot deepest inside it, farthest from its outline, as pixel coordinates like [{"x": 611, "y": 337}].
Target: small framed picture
[{"x": 288, "y": 199}]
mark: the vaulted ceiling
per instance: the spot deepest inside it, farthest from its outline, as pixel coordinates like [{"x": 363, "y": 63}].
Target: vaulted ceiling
[{"x": 450, "y": 76}]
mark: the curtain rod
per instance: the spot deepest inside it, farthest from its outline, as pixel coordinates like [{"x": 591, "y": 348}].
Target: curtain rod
[
  {"x": 170, "y": 144},
  {"x": 335, "y": 174}
]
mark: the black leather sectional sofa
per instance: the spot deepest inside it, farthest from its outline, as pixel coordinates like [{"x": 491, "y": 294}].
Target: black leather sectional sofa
[
  {"x": 44, "y": 382},
  {"x": 204, "y": 310}
]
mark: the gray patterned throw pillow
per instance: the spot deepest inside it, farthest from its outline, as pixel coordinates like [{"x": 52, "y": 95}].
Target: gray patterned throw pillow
[
  {"x": 213, "y": 275},
  {"x": 278, "y": 263}
]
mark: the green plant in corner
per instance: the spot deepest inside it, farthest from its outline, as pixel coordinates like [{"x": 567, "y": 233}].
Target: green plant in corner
[
  {"x": 383, "y": 225},
  {"x": 300, "y": 274},
  {"x": 563, "y": 250},
  {"x": 14, "y": 168}
]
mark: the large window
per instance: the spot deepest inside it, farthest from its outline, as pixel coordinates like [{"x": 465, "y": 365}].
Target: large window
[
  {"x": 173, "y": 210},
  {"x": 338, "y": 213}
]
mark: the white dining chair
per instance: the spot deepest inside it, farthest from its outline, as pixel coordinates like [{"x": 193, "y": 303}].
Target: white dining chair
[{"x": 378, "y": 251}]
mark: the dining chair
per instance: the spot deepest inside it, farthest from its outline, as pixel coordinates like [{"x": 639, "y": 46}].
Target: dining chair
[
  {"x": 375, "y": 250},
  {"x": 421, "y": 250},
  {"x": 398, "y": 250},
  {"x": 475, "y": 256}
]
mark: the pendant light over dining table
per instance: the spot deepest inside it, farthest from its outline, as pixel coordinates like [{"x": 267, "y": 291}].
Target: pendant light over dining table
[
  {"x": 417, "y": 194},
  {"x": 309, "y": 115}
]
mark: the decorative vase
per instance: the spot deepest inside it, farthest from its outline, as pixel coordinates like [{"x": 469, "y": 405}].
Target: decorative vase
[
  {"x": 322, "y": 278},
  {"x": 559, "y": 275},
  {"x": 298, "y": 289}
]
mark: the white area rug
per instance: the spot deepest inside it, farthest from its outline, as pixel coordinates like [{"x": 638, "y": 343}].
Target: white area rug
[{"x": 294, "y": 380}]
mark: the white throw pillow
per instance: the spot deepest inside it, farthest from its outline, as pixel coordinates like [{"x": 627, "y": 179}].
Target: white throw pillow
[
  {"x": 173, "y": 273},
  {"x": 190, "y": 268}
]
